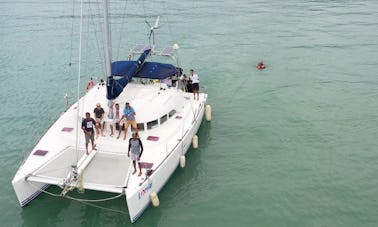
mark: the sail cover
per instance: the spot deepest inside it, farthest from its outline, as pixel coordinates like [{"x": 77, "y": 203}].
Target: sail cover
[
  {"x": 123, "y": 71},
  {"x": 151, "y": 70}
]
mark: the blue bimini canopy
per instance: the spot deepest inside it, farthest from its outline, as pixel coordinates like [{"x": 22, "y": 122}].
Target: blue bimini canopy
[{"x": 125, "y": 70}]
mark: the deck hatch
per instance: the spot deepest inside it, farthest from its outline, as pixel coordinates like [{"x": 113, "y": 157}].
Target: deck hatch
[
  {"x": 67, "y": 129},
  {"x": 40, "y": 152},
  {"x": 153, "y": 138}
]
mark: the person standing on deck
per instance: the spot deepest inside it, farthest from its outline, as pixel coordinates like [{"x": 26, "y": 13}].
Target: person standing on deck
[
  {"x": 111, "y": 117},
  {"x": 195, "y": 83},
  {"x": 87, "y": 125},
  {"x": 129, "y": 115},
  {"x": 117, "y": 117},
  {"x": 136, "y": 149}
]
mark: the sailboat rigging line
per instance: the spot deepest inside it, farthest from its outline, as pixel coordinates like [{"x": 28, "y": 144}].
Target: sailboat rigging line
[
  {"x": 51, "y": 170},
  {"x": 169, "y": 27},
  {"x": 149, "y": 29},
  {"x": 92, "y": 21},
  {"x": 101, "y": 207},
  {"x": 84, "y": 201},
  {"x": 92, "y": 16},
  {"x": 107, "y": 39},
  {"x": 78, "y": 82},
  {"x": 44, "y": 191},
  {"x": 193, "y": 111},
  {"x": 72, "y": 27},
  {"x": 122, "y": 30},
  {"x": 87, "y": 39},
  {"x": 95, "y": 200}
]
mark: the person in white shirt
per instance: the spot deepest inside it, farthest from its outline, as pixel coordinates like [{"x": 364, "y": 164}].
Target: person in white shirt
[
  {"x": 195, "y": 83},
  {"x": 116, "y": 116}
]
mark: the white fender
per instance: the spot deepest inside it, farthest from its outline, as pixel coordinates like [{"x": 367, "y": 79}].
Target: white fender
[
  {"x": 195, "y": 141},
  {"x": 208, "y": 112},
  {"x": 154, "y": 199},
  {"x": 182, "y": 161}
]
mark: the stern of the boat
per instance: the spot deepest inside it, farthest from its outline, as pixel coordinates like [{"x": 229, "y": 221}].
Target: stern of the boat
[{"x": 27, "y": 191}]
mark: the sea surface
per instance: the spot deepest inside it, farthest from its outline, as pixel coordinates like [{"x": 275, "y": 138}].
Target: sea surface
[{"x": 292, "y": 145}]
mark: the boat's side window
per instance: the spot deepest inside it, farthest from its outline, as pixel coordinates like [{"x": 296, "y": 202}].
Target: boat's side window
[
  {"x": 152, "y": 124},
  {"x": 171, "y": 113},
  {"x": 163, "y": 119},
  {"x": 140, "y": 126}
]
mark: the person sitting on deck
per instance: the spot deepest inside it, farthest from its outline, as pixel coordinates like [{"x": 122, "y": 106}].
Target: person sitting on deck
[
  {"x": 183, "y": 81},
  {"x": 90, "y": 84},
  {"x": 136, "y": 149},
  {"x": 99, "y": 117},
  {"x": 129, "y": 116}
]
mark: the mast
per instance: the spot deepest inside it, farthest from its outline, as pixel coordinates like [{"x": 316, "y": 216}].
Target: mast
[{"x": 107, "y": 40}]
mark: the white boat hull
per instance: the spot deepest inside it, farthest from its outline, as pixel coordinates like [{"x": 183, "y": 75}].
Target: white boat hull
[
  {"x": 26, "y": 192},
  {"x": 138, "y": 201},
  {"x": 109, "y": 169}
]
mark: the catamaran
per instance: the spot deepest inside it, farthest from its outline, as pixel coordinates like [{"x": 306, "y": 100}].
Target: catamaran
[{"x": 168, "y": 118}]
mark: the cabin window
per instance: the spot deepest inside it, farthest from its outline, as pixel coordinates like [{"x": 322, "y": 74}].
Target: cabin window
[
  {"x": 163, "y": 119},
  {"x": 152, "y": 124},
  {"x": 140, "y": 126},
  {"x": 171, "y": 113}
]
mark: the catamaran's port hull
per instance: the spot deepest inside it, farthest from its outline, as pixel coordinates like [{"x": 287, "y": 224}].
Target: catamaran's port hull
[{"x": 27, "y": 191}]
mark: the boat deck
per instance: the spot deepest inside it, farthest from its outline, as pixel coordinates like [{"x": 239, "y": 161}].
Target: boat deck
[{"x": 110, "y": 168}]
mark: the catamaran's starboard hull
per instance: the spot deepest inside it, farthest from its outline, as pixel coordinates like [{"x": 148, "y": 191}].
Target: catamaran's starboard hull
[{"x": 138, "y": 201}]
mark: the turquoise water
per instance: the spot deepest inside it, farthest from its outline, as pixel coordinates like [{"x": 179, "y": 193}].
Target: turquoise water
[{"x": 293, "y": 145}]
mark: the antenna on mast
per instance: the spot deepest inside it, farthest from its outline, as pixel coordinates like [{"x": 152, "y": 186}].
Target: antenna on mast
[{"x": 152, "y": 31}]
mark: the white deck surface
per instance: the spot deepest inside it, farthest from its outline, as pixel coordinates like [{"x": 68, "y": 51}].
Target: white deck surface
[{"x": 110, "y": 167}]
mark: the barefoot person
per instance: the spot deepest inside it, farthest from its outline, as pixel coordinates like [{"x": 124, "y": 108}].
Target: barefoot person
[
  {"x": 87, "y": 125},
  {"x": 136, "y": 149},
  {"x": 195, "y": 83},
  {"x": 100, "y": 121},
  {"x": 111, "y": 117},
  {"x": 129, "y": 115}
]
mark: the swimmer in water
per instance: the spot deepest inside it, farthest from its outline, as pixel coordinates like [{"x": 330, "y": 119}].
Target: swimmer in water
[{"x": 260, "y": 65}]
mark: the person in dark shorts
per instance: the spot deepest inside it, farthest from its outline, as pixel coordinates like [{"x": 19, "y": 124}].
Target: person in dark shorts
[
  {"x": 100, "y": 121},
  {"x": 195, "y": 83},
  {"x": 136, "y": 149},
  {"x": 87, "y": 125}
]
